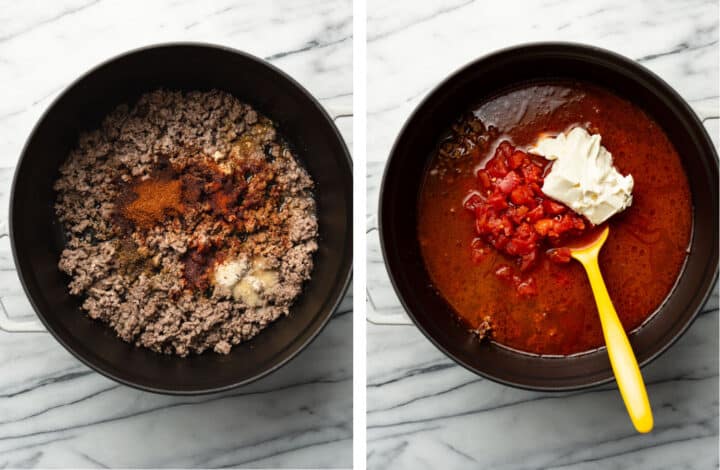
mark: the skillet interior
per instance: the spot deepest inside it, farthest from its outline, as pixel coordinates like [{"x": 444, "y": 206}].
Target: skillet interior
[
  {"x": 37, "y": 236},
  {"x": 484, "y": 78}
]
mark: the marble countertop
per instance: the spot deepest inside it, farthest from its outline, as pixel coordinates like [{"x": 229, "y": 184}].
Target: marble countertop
[
  {"x": 54, "y": 411},
  {"x": 424, "y": 411}
]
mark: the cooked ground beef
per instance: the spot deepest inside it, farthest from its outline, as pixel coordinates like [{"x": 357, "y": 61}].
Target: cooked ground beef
[{"x": 166, "y": 193}]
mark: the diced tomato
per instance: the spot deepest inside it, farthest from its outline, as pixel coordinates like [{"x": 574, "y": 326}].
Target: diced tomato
[
  {"x": 484, "y": 180},
  {"x": 504, "y": 272},
  {"x": 477, "y": 243},
  {"x": 527, "y": 261},
  {"x": 543, "y": 226},
  {"x": 531, "y": 173},
  {"x": 472, "y": 201},
  {"x": 536, "y": 214},
  {"x": 565, "y": 224},
  {"x": 505, "y": 149},
  {"x": 522, "y": 195},
  {"x": 481, "y": 218},
  {"x": 497, "y": 167},
  {"x": 507, "y": 226},
  {"x": 478, "y": 250},
  {"x": 514, "y": 216},
  {"x": 497, "y": 201},
  {"x": 480, "y": 226},
  {"x": 501, "y": 242},
  {"x": 519, "y": 247},
  {"x": 536, "y": 189},
  {"x": 509, "y": 182},
  {"x": 516, "y": 160},
  {"x": 526, "y": 232},
  {"x": 552, "y": 207},
  {"x": 527, "y": 287},
  {"x": 494, "y": 223},
  {"x": 519, "y": 213},
  {"x": 559, "y": 255}
]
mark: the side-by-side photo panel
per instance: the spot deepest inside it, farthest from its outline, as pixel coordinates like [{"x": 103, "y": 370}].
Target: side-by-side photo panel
[
  {"x": 542, "y": 209},
  {"x": 178, "y": 249},
  {"x": 540, "y": 183}
]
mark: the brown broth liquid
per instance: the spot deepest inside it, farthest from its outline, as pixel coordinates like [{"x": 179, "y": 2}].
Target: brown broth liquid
[{"x": 640, "y": 260}]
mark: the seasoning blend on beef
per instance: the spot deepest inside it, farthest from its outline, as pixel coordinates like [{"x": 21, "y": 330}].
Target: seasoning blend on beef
[
  {"x": 190, "y": 224},
  {"x": 527, "y": 172}
]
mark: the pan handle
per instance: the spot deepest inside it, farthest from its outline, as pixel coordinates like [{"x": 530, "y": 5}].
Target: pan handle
[
  {"x": 373, "y": 316},
  {"x": 14, "y": 326}
]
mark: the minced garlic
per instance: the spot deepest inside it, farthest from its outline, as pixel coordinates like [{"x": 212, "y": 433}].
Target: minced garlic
[{"x": 246, "y": 282}]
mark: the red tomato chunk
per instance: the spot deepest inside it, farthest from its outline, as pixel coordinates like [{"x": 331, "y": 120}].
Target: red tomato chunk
[{"x": 514, "y": 216}]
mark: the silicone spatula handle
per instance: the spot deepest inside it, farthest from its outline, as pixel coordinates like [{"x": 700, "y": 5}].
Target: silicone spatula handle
[{"x": 622, "y": 357}]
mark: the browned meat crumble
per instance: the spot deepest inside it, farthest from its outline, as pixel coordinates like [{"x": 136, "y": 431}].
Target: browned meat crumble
[{"x": 190, "y": 224}]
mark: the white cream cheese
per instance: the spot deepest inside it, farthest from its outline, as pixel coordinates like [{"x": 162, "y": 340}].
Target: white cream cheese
[{"x": 583, "y": 176}]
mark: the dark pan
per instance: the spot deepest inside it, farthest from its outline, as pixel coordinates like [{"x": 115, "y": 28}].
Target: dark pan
[
  {"x": 472, "y": 84},
  {"x": 37, "y": 239}
]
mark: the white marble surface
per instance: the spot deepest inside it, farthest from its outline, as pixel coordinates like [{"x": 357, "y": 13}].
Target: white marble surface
[
  {"x": 426, "y": 412},
  {"x": 55, "y": 412}
]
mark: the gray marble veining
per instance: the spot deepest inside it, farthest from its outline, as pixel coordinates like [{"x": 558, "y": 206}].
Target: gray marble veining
[
  {"x": 426, "y": 412},
  {"x": 54, "y": 411}
]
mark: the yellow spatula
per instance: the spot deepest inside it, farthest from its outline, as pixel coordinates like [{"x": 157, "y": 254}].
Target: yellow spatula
[{"x": 624, "y": 365}]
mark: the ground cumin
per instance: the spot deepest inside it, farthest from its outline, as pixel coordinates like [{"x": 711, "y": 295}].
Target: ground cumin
[{"x": 156, "y": 198}]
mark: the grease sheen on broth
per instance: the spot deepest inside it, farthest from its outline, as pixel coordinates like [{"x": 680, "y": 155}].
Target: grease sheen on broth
[{"x": 640, "y": 261}]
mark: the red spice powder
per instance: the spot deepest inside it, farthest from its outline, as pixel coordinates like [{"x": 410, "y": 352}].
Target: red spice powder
[
  {"x": 237, "y": 201},
  {"x": 156, "y": 198}
]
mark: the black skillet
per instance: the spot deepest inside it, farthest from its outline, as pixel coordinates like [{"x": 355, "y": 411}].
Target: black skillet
[
  {"x": 37, "y": 237},
  {"x": 484, "y": 78}
]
